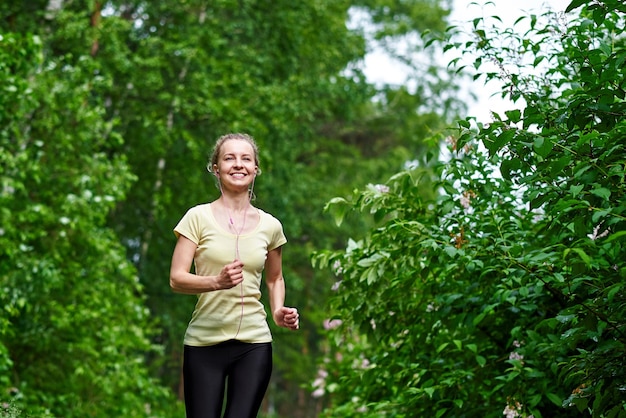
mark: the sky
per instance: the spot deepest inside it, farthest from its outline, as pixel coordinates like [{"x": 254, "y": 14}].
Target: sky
[{"x": 379, "y": 69}]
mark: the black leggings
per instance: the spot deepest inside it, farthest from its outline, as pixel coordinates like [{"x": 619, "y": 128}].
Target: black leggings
[{"x": 248, "y": 368}]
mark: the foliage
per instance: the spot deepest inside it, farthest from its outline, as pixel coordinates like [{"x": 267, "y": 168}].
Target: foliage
[
  {"x": 183, "y": 74},
  {"x": 505, "y": 294},
  {"x": 109, "y": 113},
  {"x": 74, "y": 328}
]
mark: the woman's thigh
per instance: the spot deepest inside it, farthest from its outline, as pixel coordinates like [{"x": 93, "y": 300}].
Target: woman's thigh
[
  {"x": 248, "y": 379},
  {"x": 247, "y": 368}
]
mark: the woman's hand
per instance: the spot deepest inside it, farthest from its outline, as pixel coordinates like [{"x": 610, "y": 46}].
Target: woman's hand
[
  {"x": 230, "y": 276},
  {"x": 287, "y": 318}
]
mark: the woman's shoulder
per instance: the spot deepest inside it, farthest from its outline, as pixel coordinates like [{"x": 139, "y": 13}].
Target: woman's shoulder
[
  {"x": 199, "y": 208},
  {"x": 265, "y": 214},
  {"x": 197, "y": 213},
  {"x": 268, "y": 217}
]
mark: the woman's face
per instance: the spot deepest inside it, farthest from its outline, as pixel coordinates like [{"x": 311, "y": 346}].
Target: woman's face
[{"x": 236, "y": 166}]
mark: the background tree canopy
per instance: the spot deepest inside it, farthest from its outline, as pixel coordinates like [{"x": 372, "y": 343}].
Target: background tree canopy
[{"x": 108, "y": 111}]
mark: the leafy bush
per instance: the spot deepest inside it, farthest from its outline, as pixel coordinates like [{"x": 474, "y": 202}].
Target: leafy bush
[{"x": 506, "y": 294}]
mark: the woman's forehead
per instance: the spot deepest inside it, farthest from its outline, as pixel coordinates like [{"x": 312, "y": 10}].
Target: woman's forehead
[{"x": 237, "y": 146}]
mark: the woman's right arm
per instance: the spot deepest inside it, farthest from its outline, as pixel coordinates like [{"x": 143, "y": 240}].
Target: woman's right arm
[{"x": 182, "y": 281}]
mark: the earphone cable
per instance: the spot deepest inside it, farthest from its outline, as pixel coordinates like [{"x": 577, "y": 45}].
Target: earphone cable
[{"x": 238, "y": 257}]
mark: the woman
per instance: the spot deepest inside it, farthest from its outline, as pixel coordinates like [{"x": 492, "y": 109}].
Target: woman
[{"x": 227, "y": 345}]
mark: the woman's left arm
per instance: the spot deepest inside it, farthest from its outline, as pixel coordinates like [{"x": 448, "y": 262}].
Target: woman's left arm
[{"x": 283, "y": 316}]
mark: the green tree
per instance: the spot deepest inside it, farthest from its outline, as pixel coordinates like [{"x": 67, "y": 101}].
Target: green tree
[
  {"x": 505, "y": 293},
  {"x": 128, "y": 96},
  {"x": 75, "y": 330},
  {"x": 188, "y": 73}
]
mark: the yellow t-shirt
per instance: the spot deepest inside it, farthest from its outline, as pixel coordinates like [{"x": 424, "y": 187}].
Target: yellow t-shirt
[{"x": 218, "y": 315}]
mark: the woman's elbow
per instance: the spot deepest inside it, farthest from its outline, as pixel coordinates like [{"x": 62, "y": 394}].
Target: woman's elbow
[{"x": 175, "y": 284}]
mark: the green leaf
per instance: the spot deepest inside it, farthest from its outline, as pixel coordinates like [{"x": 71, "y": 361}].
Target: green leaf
[
  {"x": 615, "y": 236},
  {"x": 478, "y": 318},
  {"x": 430, "y": 391},
  {"x": 557, "y": 166},
  {"x": 575, "y": 189},
  {"x": 509, "y": 165},
  {"x": 494, "y": 144},
  {"x": 554, "y": 399},
  {"x": 602, "y": 192},
  {"x": 581, "y": 253},
  {"x": 614, "y": 290},
  {"x": 539, "y": 201},
  {"x": 514, "y": 115},
  {"x": 451, "y": 251},
  {"x": 542, "y": 146},
  {"x": 337, "y": 207},
  {"x": 574, "y": 4}
]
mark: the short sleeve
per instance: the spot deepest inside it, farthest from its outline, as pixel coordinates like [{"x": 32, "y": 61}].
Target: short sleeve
[
  {"x": 188, "y": 226},
  {"x": 278, "y": 237}
]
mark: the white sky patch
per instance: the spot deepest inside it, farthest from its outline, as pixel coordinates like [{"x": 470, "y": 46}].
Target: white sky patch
[{"x": 381, "y": 69}]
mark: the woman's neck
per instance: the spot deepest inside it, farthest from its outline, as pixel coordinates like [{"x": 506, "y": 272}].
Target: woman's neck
[{"x": 235, "y": 204}]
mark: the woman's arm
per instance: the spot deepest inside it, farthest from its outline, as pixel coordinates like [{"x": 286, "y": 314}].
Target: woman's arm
[
  {"x": 283, "y": 316},
  {"x": 182, "y": 281}
]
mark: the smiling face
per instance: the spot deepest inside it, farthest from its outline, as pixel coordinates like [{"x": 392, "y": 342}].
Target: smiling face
[{"x": 236, "y": 165}]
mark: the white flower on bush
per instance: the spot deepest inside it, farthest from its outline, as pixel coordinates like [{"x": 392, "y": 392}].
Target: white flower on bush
[
  {"x": 514, "y": 411},
  {"x": 466, "y": 198},
  {"x": 361, "y": 363},
  {"x": 510, "y": 412},
  {"x": 319, "y": 384},
  {"x": 337, "y": 268},
  {"x": 378, "y": 188},
  {"x": 597, "y": 234},
  {"x": 332, "y": 323},
  {"x": 514, "y": 355}
]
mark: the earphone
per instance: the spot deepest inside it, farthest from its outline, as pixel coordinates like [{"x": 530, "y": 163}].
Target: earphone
[{"x": 257, "y": 170}]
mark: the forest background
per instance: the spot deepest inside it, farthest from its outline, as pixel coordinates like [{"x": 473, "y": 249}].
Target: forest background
[{"x": 107, "y": 115}]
